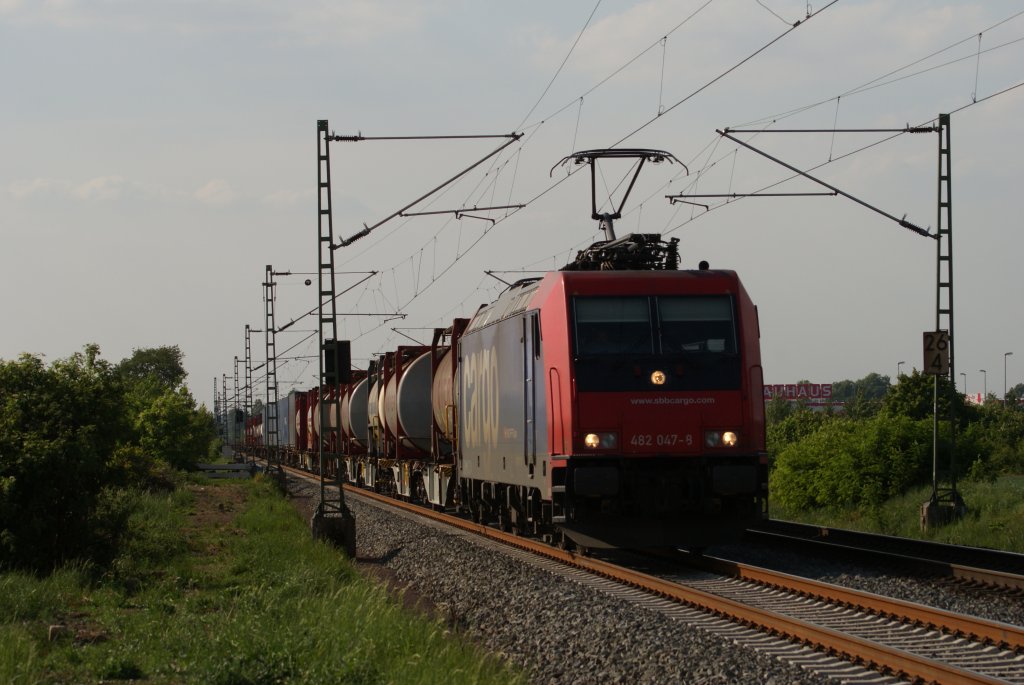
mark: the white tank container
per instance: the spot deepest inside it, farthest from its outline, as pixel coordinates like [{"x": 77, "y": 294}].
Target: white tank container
[
  {"x": 407, "y": 403},
  {"x": 355, "y": 413}
]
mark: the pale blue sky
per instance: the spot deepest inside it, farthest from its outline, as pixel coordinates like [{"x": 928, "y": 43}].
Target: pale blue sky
[{"x": 157, "y": 155}]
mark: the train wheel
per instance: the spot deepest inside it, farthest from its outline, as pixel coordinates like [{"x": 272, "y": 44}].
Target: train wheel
[
  {"x": 504, "y": 520},
  {"x": 419, "y": 490}
]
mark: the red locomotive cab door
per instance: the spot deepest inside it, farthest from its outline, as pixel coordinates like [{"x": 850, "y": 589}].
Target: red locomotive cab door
[{"x": 556, "y": 431}]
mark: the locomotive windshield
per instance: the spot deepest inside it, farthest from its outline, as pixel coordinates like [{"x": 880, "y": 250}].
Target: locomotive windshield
[{"x": 693, "y": 337}]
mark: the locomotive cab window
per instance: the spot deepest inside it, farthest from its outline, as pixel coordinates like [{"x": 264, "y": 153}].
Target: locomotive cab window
[
  {"x": 691, "y": 338},
  {"x": 696, "y": 324},
  {"x": 613, "y": 325}
]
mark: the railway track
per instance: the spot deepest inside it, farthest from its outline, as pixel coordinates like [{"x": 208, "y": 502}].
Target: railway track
[
  {"x": 890, "y": 636},
  {"x": 964, "y": 565}
]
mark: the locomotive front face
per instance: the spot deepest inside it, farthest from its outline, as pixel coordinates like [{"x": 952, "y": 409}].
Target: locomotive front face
[
  {"x": 657, "y": 374},
  {"x": 664, "y": 442}
]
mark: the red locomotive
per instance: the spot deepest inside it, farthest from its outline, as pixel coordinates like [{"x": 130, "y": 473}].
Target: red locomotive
[
  {"x": 622, "y": 407},
  {"x": 615, "y": 403}
]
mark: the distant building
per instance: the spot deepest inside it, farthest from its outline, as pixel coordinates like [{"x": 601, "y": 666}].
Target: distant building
[{"x": 816, "y": 396}]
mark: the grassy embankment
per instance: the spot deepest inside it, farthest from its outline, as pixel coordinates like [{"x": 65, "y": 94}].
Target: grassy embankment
[
  {"x": 221, "y": 583},
  {"x": 995, "y": 516}
]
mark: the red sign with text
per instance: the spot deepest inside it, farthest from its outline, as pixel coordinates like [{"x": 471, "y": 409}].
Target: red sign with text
[{"x": 799, "y": 391}]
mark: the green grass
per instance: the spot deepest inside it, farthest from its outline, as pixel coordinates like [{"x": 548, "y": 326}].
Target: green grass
[
  {"x": 251, "y": 598},
  {"x": 995, "y": 516}
]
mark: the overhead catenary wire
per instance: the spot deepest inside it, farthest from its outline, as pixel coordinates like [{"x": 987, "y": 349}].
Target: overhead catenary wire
[
  {"x": 560, "y": 66},
  {"x": 866, "y": 86},
  {"x": 848, "y": 154},
  {"x": 774, "y": 13},
  {"x": 873, "y": 83},
  {"x": 618, "y": 70},
  {"x": 717, "y": 78},
  {"x": 439, "y": 270},
  {"x": 461, "y": 252},
  {"x": 725, "y": 73}
]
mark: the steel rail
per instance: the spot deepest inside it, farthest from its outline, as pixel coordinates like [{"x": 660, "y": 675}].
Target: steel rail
[
  {"x": 858, "y": 650},
  {"x": 1002, "y": 634},
  {"x": 940, "y": 559},
  {"x": 854, "y": 648}
]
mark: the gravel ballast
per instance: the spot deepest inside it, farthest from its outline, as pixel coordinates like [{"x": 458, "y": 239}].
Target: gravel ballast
[
  {"x": 556, "y": 628},
  {"x": 566, "y": 628}
]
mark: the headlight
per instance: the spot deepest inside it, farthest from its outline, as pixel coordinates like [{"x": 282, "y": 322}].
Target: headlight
[
  {"x": 721, "y": 439},
  {"x": 658, "y": 377},
  {"x": 603, "y": 441}
]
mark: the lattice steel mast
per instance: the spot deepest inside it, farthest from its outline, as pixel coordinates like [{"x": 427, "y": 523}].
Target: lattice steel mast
[
  {"x": 270, "y": 438},
  {"x": 949, "y": 499},
  {"x": 333, "y": 518},
  {"x": 248, "y": 383}
]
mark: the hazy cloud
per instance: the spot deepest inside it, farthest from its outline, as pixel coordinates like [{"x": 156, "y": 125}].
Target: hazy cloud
[
  {"x": 359, "y": 21},
  {"x": 25, "y": 189},
  {"x": 289, "y": 198},
  {"x": 100, "y": 188},
  {"x": 216, "y": 192}
]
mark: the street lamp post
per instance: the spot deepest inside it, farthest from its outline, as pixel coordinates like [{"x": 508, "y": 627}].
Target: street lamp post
[
  {"x": 984, "y": 375},
  {"x": 898, "y": 365},
  {"x": 965, "y": 382},
  {"x": 1005, "y": 355}
]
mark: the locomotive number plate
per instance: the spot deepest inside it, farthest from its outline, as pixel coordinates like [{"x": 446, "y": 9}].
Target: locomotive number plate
[{"x": 660, "y": 439}]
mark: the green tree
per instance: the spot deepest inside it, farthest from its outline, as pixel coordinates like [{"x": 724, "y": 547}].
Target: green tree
[
  {"x": 160, "y": 365},
  {"x": 993, "y": 442},
  {"x": 776, "y": 410},
  {"x": 862, "y": 398},
  {"x": 172, "y": 428},
  {"x": 914, "y": 397},
  {"x": 796, "y": 426},
  {"x": 59, "y": 424}
]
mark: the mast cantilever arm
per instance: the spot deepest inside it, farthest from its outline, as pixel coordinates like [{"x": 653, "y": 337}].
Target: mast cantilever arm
[
  {"x": 368, "y": 229},
  {"x": 902, "y": 222}
]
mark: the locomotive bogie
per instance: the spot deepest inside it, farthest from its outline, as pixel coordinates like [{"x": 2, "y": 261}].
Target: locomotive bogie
[
  {"x": 438, "y": 483},
  {"x": 663, "y": 501}
]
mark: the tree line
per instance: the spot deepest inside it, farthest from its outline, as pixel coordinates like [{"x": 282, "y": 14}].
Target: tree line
[
  {"x": 880, "y": 444},
  {"x": 75, "y": 435}
]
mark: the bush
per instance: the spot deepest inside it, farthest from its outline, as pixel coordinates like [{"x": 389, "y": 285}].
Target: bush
[
  {"x": 848, "y": 462},
  {"x": 994, "y": 443},
  {"x": 796, "y": 426},
  {"x": 76, "y": 433},
  {"x": 58, "y": 426},
  {"x": 173, "y": 429}
]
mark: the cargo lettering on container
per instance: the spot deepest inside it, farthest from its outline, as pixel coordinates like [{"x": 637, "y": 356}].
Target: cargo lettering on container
[{"x": 480, "y": 381}]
